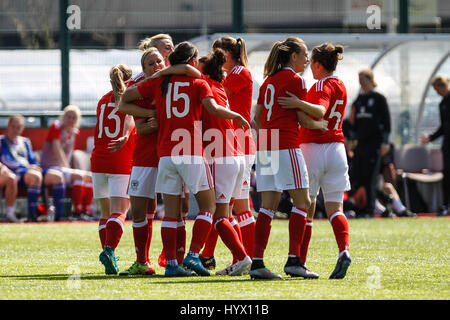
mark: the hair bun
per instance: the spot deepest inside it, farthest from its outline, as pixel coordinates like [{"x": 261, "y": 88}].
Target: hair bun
[
  {"x": 219, "y": 55},
  {"x": 339, "y": 49}
]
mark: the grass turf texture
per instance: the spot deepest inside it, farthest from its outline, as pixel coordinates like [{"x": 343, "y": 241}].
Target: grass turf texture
[{"x": 392, "y": 259}]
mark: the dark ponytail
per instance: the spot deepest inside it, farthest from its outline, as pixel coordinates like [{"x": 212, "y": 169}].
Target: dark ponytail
[
  {"x": 183, "y": 53},
  {"x": 213, "y": 64}
]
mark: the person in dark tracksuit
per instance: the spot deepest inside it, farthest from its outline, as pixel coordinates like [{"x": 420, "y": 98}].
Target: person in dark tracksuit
[
  {"x": 371, "y": 121},
  {"x": 441, "y": 85}
]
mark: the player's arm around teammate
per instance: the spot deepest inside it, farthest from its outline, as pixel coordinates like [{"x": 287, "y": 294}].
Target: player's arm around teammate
[
  {"x": 280, "y": 164},
  {"x": 324, "y": 150},
  {"x": 182, "y": 113}
]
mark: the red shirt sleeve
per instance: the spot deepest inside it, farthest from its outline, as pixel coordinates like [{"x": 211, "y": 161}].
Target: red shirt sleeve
[
  {"x": 146, "y": 89},
  {"x": 204, "y": 89},
  {"x": 298, "y": 88},
  {"x": 54, "y": 132},
  {"x": 321, "y": 97},
  {"x": 236, "y": 81}
]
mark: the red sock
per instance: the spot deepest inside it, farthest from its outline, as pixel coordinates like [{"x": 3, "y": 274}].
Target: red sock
[
  {"x": 305, "y": 243},
  {"x": 88, "y": 197},
  {"x": 200, "y": 231},
  {"x": 181, "y": 241},
  {"x": 297, "y": 224},
  {"x": 102, "y": 231},
  {"x": 236, "y": 227},
  {"x": 114, "y": 229},
  {"x": 262, "y": 231},
  {"x": 340, "y": 228},
  {"x": 77, "y": 196},
  {"x": 150, "y": 216},
  {"x": 140, "y": 235},
  {"x": 210, "y": 244},
  {"x": 230, "y": 238},
  {"x": 247, "y": 225},
  {"x": 169, "y": 238}
]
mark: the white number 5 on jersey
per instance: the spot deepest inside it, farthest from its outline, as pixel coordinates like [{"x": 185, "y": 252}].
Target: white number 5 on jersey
[
  {"x": 335, "y": 113},
  {"x": 176, "y": 97}
]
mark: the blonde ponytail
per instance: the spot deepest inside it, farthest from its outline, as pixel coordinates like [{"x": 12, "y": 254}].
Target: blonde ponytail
[{"x": 118, "y": 75}]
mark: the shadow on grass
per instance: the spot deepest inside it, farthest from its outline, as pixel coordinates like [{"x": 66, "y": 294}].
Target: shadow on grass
[{"x": 156, "y": 279}]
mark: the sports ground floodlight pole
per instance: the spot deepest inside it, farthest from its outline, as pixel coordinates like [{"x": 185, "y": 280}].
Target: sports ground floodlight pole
[
  {"x": 64, "y": 45},
  {"x": 238, "y": 16},
  {"x": 403, "y": 26}
]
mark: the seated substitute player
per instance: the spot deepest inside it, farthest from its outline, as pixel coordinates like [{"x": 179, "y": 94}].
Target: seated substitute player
[
  {"x": 57, "y": 154},
  {"x": 8, "y": 181},
  {"x": 17, "y": 154}
]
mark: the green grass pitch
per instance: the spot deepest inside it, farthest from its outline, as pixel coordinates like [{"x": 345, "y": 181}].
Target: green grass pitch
[{"x": 396, "y": 259}]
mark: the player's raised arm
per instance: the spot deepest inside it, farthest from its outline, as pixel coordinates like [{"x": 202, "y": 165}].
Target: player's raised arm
[{"x": 180, "y": 69}]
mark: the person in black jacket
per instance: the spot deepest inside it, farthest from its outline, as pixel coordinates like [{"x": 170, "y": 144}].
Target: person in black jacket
[
  {"x": 441, "y": 85},
  {"x": 371, "y": 121}
]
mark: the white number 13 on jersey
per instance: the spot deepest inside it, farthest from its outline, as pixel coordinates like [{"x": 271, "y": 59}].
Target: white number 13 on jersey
[{"x": 112, "y": 115}]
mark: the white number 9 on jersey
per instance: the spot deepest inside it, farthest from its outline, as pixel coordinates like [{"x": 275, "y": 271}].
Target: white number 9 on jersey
[{"x": 269, "y": 104}]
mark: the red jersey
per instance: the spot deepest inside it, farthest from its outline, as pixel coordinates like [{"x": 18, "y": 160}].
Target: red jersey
[
  {"x": 145, "y": 153},
  {"x": 68, "y": 141},
  {"x": 329, "y": 92},
  {"x": 273, "y": 116},
  {"x": 110, "y": 126},
  {"x": 179, "y": 113},
  {"x": 240, "y": 82},
  {"x": 220, "y": 141}
]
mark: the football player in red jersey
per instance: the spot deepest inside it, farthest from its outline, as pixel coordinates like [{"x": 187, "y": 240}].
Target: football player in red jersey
[
  {"x": 151, "y": 62},
  {"x": 227, "y": 164},
  {"x": 164, "y": 43},
  {"x": 141, "y": 188},
  {"x": 179, "y": 101},
  {"x": 324, "y": 150},
  {"x": 239, "y": 88},
  {"x": 280, "y": 164},
  {"x": 111, "y": 162}
]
